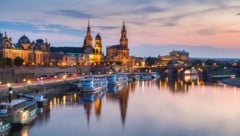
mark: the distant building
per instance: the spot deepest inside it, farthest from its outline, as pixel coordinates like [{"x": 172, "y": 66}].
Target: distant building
[
  {"x": 120, "y": 52},
  {"x": 33, "y": 53},
  {"x": 174, "y": 57}
]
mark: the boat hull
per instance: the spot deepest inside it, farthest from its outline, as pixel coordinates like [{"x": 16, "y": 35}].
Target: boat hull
[{"x": 5, "y": 125}]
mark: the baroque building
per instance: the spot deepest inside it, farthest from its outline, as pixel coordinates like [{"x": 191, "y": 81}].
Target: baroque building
[
  {"x": 94, "y": 52},
  {"x": 33, "y": 53},
  {"x": 175, "y": 57},
  {"x": 120, "y": 52}
]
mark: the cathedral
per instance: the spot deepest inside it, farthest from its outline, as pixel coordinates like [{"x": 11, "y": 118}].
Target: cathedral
[
  {"x": 120, "y": 52},
  {"x": 33, "y": 53},
  {"x": 94, "y": 52}
]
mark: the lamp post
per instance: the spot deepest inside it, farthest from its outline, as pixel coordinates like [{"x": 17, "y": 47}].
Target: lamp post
[
  {"x": 10, "y": 92},
  {"x": 29, "y": 82},
  {"x": 64, "y": 78},
  {"x": 24, "y": 83}
]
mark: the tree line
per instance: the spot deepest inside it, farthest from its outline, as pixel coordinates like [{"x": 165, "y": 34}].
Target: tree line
[{"x": 18, "y": 61}]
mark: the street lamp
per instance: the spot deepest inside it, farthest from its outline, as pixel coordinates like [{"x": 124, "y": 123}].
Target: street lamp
[
  {"x": 29, "y": 82},
  {"x": 10, "y": 92}
]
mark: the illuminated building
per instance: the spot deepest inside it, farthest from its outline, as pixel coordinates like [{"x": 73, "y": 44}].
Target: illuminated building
[
  {"x": 94, "y": 53},
  {"x": 74, "y": 59},
  {"x": 175, "y": 57},
  {"x": 120, "y": 52},
  {"x": 33, "y": 53}
]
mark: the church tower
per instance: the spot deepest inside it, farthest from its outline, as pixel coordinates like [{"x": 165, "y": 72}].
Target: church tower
[
  {"x": 88, "y": 38},
  {"x": 124, "y": 40},
  {"x": 98, "y": 44}
]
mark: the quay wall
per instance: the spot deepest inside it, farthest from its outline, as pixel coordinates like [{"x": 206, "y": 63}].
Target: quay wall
[
  {"x": 49, "y": 90},
  {"x": 17, "y": 74}
]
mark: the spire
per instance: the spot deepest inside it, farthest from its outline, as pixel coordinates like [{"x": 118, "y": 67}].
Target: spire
[
  {"x": 88, "y": 22},
  {"x": 5, "y": 34},
  {"x": 123, "y": 27},
  {"x": 88, "y": 27},
  {"x": 124, "y": 40},
  {"x": 88, "y": 38},
  {"x": 46, "y": 40}
]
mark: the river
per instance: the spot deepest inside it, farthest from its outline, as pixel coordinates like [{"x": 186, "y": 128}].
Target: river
[{"x": 145, "y": 108}]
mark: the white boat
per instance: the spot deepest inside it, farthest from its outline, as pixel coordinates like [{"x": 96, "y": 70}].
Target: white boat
[
  {"x": 133, "y": 77},
  {"x": 5, "y": 125},
  {"x": 116, "y": 79},
  {"x": 39, "y": 98},
  {"x": 21, "y": 111},
  {"x": 155, "y": 75},
  {"x": 191, "y": 72},
  {"x": 146, "y": 76},
  {"x": 93, "y": 84}
]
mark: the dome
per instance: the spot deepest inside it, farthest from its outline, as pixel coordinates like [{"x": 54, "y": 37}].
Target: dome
[
  {"x": 98, "y": 37},
  {"x": 40, "y": 41},
  {"x": 24, "y": 39}
]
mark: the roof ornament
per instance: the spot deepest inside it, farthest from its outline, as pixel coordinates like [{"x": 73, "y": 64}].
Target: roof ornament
[{"x": 5, "y": 34}]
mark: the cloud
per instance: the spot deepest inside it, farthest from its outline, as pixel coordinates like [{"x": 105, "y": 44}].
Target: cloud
[
  {"x": 238, "y": 14},
  {"x": 201, "y": 51},
  {"x": 107, "y": 27},
  {"x": 37, "y": 28},
  {"x": 208, "y": 31},
  {"x": 151, "y": 9},
  {"x": 74, "y": 13},
  {"x": 214, "y": 31}
]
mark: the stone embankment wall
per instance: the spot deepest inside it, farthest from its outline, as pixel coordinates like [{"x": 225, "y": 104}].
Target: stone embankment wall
[
  {"x": 17, "y": 74},
  {"x": 48, "y": 90}
]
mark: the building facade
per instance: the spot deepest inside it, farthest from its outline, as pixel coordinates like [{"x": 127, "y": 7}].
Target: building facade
[
  {"x": 33, "y": 53},
  {"x": 120, "y": 52},
  {"x": 175, "y": 57},
  {"x": 93, "y": 52},
  {"x": 75, "y": 59}
]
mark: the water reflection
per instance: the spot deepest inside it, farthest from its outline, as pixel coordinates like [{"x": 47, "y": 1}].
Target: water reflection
[
  {"x": 120, "y": 96},
  {"x": 143, "y": 108}
]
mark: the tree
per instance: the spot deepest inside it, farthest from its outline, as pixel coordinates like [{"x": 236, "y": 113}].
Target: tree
[
  {"x": 210, "y": 62},
  {"x": 18, "y": 61},
  {"x": 8, "y": 61},
  {"x": 150, "y": 61},
  {"x": 2, "y": 62}
]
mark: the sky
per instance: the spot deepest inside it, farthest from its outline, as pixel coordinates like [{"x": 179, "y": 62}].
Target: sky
[{"x": 205, "y": 28}]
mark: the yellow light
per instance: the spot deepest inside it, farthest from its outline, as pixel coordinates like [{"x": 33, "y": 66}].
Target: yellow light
[
  {"x": 29, "y": 81},
  {"x": 8, "y": 84}
]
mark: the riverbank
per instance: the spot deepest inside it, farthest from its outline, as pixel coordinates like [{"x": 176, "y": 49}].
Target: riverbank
[
  {"x": 49, "y": 89},
  {"x": 232, "y": 81}
]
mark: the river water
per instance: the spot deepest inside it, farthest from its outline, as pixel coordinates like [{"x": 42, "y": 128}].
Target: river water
[{"x": 145, "y": 108}]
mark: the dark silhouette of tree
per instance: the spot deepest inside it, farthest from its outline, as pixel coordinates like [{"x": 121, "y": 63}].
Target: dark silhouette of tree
[
  {"x": 150, "y": 61},
  {"x": 18, "y": 61},
  {"x": 2, "y": 62},
  {"x": 210, "y": 62},
  {"x": 8, "y": 61}
]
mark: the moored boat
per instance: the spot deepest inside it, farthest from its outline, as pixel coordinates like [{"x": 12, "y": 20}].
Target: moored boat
[
  {"x": 155, "y": 75},
  {"x": 93, "y": 84},
  {"x": 20, "y": 111},
  {"x": 116, "y": 79},
  {"x": 5, "y": 125},
  {"x": 191, "y": 72},
  {"x": 133, "y": 77},
  {"x": 146, "y": 76},
  {"x": 41, "y": 101}
]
